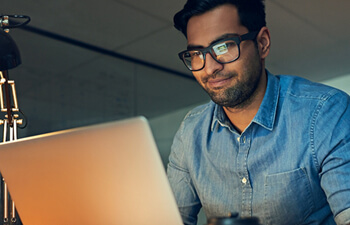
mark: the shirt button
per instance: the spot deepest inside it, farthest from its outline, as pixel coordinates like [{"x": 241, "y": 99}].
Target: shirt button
[
  {"x": 244, "y": 180},
  {"x": 238, "y": 139}
]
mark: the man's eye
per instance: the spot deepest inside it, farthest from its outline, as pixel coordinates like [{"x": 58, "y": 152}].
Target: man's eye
[
  {"x": 231, "y": 44},
  {"x": 220, "y": 49},
  {"x": 194, "y": 54}
]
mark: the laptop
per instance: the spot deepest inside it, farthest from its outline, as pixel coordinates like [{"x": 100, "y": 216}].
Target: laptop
[{"x": 109, "y": 173}]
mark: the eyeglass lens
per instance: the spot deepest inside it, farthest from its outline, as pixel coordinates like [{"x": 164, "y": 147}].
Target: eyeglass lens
[{"x": 223, "y": 52}]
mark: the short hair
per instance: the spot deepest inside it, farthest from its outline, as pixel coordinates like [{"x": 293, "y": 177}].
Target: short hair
[{"x": 251, "y": 12}]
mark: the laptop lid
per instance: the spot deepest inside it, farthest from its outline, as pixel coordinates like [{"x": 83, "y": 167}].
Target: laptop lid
[{"x": 103, "y": 174}]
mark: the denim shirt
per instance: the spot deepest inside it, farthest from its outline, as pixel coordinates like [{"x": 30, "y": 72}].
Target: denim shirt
[{"x": 291, "y": 165}]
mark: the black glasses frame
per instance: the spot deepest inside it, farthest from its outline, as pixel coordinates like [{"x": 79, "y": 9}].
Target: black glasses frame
[{"x": 238, "y": 39}]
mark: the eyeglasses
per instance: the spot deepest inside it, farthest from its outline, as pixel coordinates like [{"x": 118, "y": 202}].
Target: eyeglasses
[{"x": 223, "y": 51}]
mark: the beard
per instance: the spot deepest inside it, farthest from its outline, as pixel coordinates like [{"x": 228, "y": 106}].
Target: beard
[{"x": 243, "y": 92}]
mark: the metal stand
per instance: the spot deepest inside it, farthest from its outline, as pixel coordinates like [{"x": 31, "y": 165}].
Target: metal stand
[
  {"x": 10, "y": 123},
  {"x": 9, "y": 58}
]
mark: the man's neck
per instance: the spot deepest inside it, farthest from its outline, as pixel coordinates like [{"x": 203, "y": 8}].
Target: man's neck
[{"x": 241, "y": 117}]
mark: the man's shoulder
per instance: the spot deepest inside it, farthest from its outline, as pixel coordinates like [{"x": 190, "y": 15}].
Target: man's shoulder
[
  {"x": 199, "y": 115},
  {"x": 294, "y": 86},
  {"x": 200, "y": 111}
]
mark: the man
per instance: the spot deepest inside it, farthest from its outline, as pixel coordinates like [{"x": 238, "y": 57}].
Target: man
[{"x": 272, "y": 147}]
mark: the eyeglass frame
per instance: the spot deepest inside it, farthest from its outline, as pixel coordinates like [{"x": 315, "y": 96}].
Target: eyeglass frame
[{"x": 237, "y": 39}]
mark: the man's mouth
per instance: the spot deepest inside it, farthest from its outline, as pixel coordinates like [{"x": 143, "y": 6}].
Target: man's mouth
[{"x": 219, "y": 82}]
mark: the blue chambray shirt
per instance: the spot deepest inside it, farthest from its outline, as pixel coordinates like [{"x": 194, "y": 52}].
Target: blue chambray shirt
[{"x": 291, "y": 165}]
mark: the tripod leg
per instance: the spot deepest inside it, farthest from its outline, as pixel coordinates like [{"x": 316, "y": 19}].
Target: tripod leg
[{"x": 6, "y": 216}]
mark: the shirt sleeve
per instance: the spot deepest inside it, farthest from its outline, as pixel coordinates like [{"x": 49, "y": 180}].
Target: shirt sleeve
[
  {"x": 182, "y": 184},
  {"x": 330, "y": 137}
]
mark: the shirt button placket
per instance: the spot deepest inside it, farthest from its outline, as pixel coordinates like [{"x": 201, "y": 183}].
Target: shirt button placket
[{"x": 242, "y": 167}]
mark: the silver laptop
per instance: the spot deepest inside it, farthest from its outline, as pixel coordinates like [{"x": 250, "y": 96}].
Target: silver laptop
[{"x": 103, "y": 174}]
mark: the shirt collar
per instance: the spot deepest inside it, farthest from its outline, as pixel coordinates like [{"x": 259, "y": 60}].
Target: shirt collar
[{"x": 266, "y": 114}]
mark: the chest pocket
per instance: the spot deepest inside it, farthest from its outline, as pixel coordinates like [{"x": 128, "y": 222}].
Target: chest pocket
[{"x": 288, "y": 198}]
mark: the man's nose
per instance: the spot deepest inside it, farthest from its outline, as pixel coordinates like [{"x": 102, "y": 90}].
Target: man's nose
[{"x": 212, "y": 66}]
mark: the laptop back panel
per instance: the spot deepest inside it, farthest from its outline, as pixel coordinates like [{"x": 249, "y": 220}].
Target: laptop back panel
[{"x": 103, "y": 174}]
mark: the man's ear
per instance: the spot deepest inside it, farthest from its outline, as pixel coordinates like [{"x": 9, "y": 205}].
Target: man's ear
[{"x": 264, "y": 42}]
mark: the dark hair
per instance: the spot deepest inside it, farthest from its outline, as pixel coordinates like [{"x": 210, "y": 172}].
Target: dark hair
[{"x": 251, "y": 12}]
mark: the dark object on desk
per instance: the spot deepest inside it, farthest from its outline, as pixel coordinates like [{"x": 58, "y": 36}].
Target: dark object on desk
[{"x": 233, "y": 219}]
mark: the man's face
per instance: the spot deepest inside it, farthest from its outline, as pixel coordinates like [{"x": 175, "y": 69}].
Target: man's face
[{"x": 233, "y": 84}]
